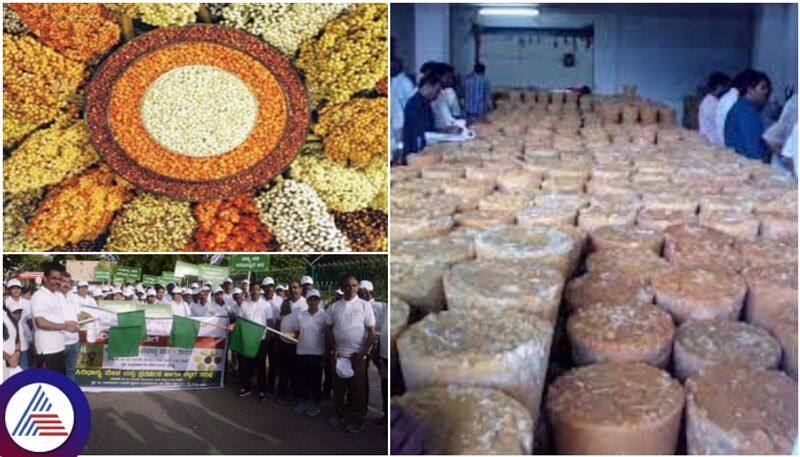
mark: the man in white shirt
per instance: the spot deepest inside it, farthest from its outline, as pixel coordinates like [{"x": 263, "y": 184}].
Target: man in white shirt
[
  {"x": 402, "y": 88},
  {"x": 306, "y": 284},
  {"x": 365, "y": 289},
  {"x": 257, "y": 310},
  {"x": 217, "y": 306},
  {"x": 777, "y": 135},
  {"x": 47, "y": 305},
  {"x": 227, "y": 289},
  {"x": 383, "y": 369},
  {"x": 71, "y": 340},
  {"x": 150, "y": 297},
  {"x": 308, "y": 327},
  {"x": 295, "y": 298},
  {"x": 168, "y": 295},
  {"x": 179, "y": 307},
  {"x": 350, "y": 331},
  {"x": 268, "y": 289},
  {"x": 707, "y": 116},
  {"x": 200, "y": 308}
]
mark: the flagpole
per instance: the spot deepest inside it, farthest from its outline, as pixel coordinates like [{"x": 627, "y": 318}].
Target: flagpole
[{"x": 268, "y": 328}]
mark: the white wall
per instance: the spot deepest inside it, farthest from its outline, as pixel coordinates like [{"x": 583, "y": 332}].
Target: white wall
[
  {"x": 431, "y": 24},
  {"x": 665, "y": 50},
  {"x": 774, "y": 49}
]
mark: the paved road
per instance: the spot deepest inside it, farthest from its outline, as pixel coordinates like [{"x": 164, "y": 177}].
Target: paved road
[{"x": 214, "y": 421}]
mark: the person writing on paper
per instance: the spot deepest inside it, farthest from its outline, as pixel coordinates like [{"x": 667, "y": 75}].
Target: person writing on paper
[
  {"x": 308, "y": 327},
  {"x": 445, "y": 107},
  {"x": 47, "y": 305},
  {"x": 259, "y": 311},
  {"x": 718, "y": 83},
  {"x": 744, "y": 126},
  {"x": 418, "y": 115},
  {"x": 349, "y": 331}
]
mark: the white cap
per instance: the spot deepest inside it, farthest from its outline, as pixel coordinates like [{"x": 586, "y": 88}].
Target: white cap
[
  {"x": 13, "y": 283},
  {"x": 279, "y": 287},
  {"x": 195, "y": 285},
  {"x": 14, "y": 306},
  {"x": 313, "y": 293},
  {"x": 151, "y": 293},
  {"x": 186, "y": 291},
  {"x": 306, "y": 280},
  {"x": 105, "y": 288},
  {"x": 237, "y": 290},
  {"x": 207, "y": 283},
  {"x": 217, "y": 289},
  {"x": 97, "y": 293},
  {"x": 227, "y": 280},
  {"x": 339, "y": 291},
  {"x": 83, "y": 284},
  {"x": 116, "y": 290},
  {"x": 177, "y": 290},
  {"x": 140, "y": 288},
  {"x": 267, "y": 281},
  {"x": 246, "y": 281},
  {"x": 365, "y": 285},
  {"x": 195, "y": 290},
  {"x": 129, "y": 290}
]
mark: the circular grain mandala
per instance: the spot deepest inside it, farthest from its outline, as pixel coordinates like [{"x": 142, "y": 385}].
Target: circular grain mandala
[{"x": 197, "y": 112}]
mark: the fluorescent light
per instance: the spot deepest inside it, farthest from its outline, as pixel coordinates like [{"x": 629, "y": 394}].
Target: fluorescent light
[{"x": 529, "y": 12}]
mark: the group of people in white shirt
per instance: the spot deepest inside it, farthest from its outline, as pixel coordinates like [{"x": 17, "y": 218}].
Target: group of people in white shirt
[
  {"x": 730, "y": 116},
  {"x": 336, "y": 341},
  {"x": 47, "y": 323}
]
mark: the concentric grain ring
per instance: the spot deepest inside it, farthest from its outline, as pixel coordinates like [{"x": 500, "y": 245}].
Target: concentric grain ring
[{"x": 113, "y": 112}]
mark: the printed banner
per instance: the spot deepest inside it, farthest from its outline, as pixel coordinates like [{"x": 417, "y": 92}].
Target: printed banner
[
  {"x": 213, "y": 274},
  {"x": 151, "y": 280},
  {"x": 250, "y": 262},
  {"x": 102, "y": 274},
  {"x": 184, "y": 269},
  {"x": 158, "y": 366}
]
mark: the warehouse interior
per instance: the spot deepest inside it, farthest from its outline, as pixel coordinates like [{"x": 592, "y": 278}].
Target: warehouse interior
[
  {"x": 593, "y": 236},
  {"x": 665, "y": 50}
]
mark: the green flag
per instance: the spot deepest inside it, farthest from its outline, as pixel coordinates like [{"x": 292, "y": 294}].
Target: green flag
[
  {"x": 124, "y": 341},
  {"x": 131, "y": 319},
  {"x": 184, "y": 332},
  {"x": 246, "y": 337}
]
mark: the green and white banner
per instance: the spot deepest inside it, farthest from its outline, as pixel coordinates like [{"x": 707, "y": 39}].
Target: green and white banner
[{"x": 159, "y": 365}]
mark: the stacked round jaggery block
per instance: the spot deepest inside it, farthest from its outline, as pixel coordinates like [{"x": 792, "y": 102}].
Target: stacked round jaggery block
[
  {"x": 544, "y": 245},
  {"x": 620, "y": 333},
  {"x": 607, "y": 288},
  {"x": 699, "y": 292},
  {"x": 738, "y": 410},
  {"x": 504, "y": 349},
  {"x": 505, "y": 284},
  {"x": 771, "y": 289},
  {"x": 705, "y": 343},
  {"x": 626, "y": 237},
  {"x": 469, "y": 420},
  {"x": 615, "y": 408}
]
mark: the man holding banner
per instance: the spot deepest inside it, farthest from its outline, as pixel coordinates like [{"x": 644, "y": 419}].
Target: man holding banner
[{"x": 350, "y": 331}]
